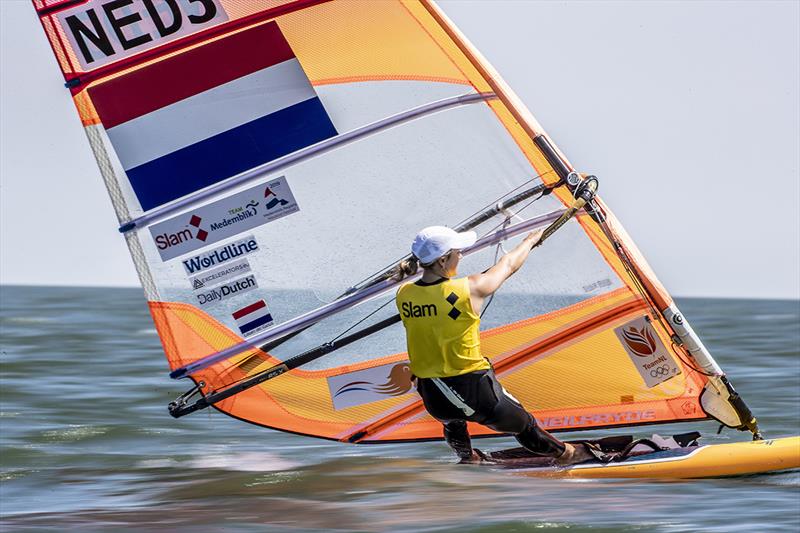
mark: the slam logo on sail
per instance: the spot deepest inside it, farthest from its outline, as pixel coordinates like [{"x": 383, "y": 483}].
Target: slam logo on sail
[
  {"x": 165, "y": 240},
  {"x": 220, "y": 220}
]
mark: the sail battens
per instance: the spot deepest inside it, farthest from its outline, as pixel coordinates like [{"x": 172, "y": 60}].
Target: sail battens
[
  {"x": 539, "y": 349},
  {"x": 302, "y": 155},
  {"x": 573, "y": 333},
  {"x": 288, "y": 147},
  {"x": 342, "y": 304}
]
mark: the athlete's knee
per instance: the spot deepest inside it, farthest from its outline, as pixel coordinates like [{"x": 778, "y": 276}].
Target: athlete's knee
[{"x": 510, "y": 418}]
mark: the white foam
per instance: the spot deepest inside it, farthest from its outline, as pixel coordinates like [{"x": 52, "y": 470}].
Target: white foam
[{"x": 244, "y": 462}]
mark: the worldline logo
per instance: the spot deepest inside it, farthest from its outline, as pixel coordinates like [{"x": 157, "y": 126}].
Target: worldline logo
[{"x": 219, "y": 256}]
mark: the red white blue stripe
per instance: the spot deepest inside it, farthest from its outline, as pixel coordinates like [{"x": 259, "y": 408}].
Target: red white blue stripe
[
  {"x": 253, "y": 318},
  {"x": 199, "y": 117}
]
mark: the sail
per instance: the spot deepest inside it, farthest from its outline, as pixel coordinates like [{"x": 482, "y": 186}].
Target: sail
[{"x": 268, "y": 160}]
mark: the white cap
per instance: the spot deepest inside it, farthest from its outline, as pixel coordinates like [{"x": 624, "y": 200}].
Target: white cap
[{"x": 434, "y": 241}]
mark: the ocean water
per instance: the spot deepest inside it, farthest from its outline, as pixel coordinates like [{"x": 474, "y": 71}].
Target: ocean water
[{"x": 87, "y": 443}]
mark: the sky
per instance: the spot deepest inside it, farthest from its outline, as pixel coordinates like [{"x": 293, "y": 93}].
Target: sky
[{"x": 688, "y": 112}]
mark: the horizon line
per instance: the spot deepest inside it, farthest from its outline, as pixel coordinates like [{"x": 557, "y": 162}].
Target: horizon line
[{"x": 89, "y": 286}]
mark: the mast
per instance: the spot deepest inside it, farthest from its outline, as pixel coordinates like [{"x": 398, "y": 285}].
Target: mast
[{"x": 720, "y": 400}]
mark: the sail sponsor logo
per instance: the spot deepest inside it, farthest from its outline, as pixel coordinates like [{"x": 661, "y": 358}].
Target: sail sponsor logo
[
  {"x": 601, "y": 284},
  {"x": 224, "y": 292},
  {"x": 597, "y": 419},
  {"x": 646, "y": 351},
  {"x": 104, "y": 31},
  {"x": 220, "y": 274},
  {"x": 370, "y": 385},
  {"x": 640, "y": 341},
  {"x": 220, "y": 256},
  {"x": 253, "y": 318},
  {"x": 166, "y": 240},
  {"x": 221, "y": 220}
]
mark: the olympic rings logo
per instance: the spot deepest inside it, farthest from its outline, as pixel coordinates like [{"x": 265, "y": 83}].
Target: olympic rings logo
[{"x": 660, "y": 371}]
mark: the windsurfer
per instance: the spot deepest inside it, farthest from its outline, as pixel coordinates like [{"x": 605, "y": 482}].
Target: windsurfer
[{"x": 457, "y": 384}]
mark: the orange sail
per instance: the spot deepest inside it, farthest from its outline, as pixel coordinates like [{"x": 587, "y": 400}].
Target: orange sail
[{"x": 269, "y": 160}]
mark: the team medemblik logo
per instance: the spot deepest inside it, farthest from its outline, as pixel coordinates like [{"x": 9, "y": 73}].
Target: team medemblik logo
[
  {"x": 274, "y": 201},
  {"x": 222, "y": 219},
  {"x": 397, "y": 383},
  {"x": 640, "y": 341}
]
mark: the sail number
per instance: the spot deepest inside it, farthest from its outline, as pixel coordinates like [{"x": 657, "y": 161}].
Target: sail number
[{"x": 103, "y": 31}]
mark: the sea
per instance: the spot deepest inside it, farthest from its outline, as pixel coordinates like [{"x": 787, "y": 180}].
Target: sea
[{"x": 88, "y": 445}]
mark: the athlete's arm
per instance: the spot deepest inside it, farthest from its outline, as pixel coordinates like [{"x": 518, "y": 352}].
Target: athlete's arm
[{"x": 483, "y": 285}]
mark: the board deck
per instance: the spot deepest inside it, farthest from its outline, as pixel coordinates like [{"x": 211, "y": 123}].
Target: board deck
[{"x": 710, "y": 460}]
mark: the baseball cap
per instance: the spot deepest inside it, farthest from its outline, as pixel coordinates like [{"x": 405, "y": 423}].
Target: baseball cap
[{"x": 433, "y": 242}]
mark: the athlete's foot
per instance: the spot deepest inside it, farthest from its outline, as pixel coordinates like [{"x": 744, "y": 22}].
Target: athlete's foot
[
  {"x": 573, "y": 455},
  {"x": 477, "y": 457}
]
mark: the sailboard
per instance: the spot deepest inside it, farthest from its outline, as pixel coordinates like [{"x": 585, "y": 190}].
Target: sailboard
[{"x": 269, "y": 161}]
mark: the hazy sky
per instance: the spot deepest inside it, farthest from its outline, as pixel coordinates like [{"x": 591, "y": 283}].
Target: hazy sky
[{"x": 689, "y": 112}]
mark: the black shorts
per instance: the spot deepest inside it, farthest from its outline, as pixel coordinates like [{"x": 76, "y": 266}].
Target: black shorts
[{"x": 480, "y": 392}]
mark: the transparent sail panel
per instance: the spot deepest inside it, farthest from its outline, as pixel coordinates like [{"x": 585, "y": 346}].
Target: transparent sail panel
[{"x": 286, "y": 153}]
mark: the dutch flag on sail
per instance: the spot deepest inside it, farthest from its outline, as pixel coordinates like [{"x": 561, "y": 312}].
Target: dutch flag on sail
[
  {"x": 253, "y": 318},
  {"x": 204, "y": 115}
]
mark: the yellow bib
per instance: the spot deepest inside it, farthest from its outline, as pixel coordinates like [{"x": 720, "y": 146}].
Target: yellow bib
[{"x": 441, "y": 328}]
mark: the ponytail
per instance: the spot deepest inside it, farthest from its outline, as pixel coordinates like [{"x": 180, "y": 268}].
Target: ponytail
[{"x": 405, "y": 268}]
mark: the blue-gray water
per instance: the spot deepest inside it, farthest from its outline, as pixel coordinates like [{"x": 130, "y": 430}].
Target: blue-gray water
[{"x": 87, "y": 443}]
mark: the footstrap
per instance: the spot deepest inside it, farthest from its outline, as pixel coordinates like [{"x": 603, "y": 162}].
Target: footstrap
[{"x": 629, "y": 448}]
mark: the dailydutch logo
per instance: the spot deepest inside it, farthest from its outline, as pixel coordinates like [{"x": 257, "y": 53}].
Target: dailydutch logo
[
  {"x": 221, "y": 220},
  {"x": 228, "y": 290}
]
